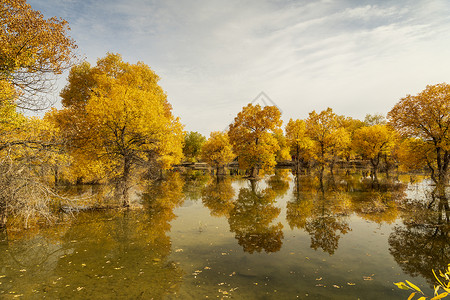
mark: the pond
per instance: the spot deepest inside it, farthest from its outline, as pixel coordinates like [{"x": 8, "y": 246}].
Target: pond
[{"x": 195, "y": 237}]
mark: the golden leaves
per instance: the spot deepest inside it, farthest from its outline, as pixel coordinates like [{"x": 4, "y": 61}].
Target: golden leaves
[
  {"x": 217, "y": 150},
  {"x": 252, "y": 137},
  {"x": 32, "y": 48}
]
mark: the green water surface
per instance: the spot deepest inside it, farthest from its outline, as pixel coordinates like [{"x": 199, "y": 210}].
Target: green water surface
[{"x": 197, "y": 237}]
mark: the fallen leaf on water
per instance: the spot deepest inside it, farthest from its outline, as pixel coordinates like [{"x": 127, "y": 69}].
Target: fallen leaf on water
[
  {"x": 207, "y": 268},
  {"x": 351, "y": 283},
  {"x": 336, "y": 286},
  {"x": 179, "y": 250},
  {"x": 80, "y": 288},
  {"x": 320, "y": 278}
]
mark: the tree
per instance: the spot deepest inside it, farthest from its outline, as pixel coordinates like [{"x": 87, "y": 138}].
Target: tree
[
  {"x": 282, "y": 153},
  {"x": 328, "y": 137},
  {"x": 252, "y": 138},
  {"x": 299, "y": 142},
  {"x": 124, "y": 122},
  {"x": 217, "y": 150},
  {"x": 375, "y": 119},
  {"x": 373, "y": 143},
  {"x": 33, "y": 49},
  {"x": 426, "y": 116},
  {"x": 193, "y": 142},
  {"x": 253, "y": 220}
]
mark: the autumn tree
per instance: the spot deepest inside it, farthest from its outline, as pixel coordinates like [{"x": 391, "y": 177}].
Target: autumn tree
[
  {"x": 375, "y": 119},
  {"x": 124, "y": 121},
  {"x": 329, "y": 139},
  {"x": 351, "y": 126},
  {"x": 253, "y": 219},
  {"x": 217, "y": 150},
  {"x": 33, "y": 50},
  {"x": 283, "y": 153},
  {"x": 426, "y": 117},
  {"x": 374, "y": 143},
  {"x": 252, "y": 137},
  {"x": 299, "y": 142},
  {"x": 193, "y": 142}
]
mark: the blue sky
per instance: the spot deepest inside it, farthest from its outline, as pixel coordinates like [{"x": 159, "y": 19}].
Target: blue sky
[{"x": 216, "y": 56}]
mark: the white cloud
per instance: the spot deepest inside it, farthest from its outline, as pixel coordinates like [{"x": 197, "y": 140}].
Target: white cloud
[{"x": 215, "y": 56}]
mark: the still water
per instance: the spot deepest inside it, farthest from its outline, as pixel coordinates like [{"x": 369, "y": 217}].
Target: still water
[{"x": 193, "y": 237}]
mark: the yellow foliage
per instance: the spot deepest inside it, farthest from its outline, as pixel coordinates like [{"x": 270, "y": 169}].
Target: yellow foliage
[
  {"x": 299, "y": 142},
  {"x": 426, "y": 117},
  {"x": 124, "y": 121},
  {"x": 217, "y": 150},
  {"x": 32, "y": 48},
  {"x": 252, "y": 138},
  {"x": 329, "y": 138},
  {"x": 373, "y": 141}
]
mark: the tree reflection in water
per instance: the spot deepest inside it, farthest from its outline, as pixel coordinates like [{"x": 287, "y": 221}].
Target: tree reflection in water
[
  {"x": 423, "y": 242},
  {"x": 251, "y": 220},
  {"x": 218, "y": 195},
  {"x": 116, "y": 254},
  {"x": 321, "y": 214}
]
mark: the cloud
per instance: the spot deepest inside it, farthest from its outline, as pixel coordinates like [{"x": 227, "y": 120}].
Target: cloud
[{"x": 215, "y": 56}]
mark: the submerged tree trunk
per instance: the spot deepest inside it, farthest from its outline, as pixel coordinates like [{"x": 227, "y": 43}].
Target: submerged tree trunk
[
  {"x": 254, "y": 172},
  {"x": 375, "y": 161},
  {"x": 124, "y": 185},
  {"x": 387, "y": 166}
]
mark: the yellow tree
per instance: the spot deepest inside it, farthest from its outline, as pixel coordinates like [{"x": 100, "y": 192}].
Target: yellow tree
[
  {"x": 426, "y": 116},
  {"x": 283, "y": 153},
  {"x": 193, "y": 142},
  {"x": 350, "y": 125},
  {"x": 252, "y": 138},
  {"x": 299, "y": 142},
  {"x": 33, "y": 49},
  {"x": 217, "y": 150},
  {"x": 373, "y": 143},
  {"x": 329, "y": 138},
  {"x": 125, "y": 121}
]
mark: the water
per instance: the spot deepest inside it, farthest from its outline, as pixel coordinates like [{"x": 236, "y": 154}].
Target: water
[{"x": 197, "y": 238}]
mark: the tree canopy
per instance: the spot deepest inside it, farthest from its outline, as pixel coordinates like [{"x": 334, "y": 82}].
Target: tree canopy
[
  {"x": 193, "y": 142},
  {"x": 217, "y": 150},
  {"x": 251, "y": 135},
  {"x": 426, "y": 116},
  {"x": 124, "y": 122},
  {"x": 33, "y": 49}
]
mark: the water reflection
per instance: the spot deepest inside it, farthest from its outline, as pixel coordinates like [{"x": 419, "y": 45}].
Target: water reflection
[
  {"x": 322, "y": 216},
  {"x": 129, "y": 253},
  {"x": 423, "y": 242},
  {"x": 218, "y": 195},
  {"x": 251, "y": 220},
  {"x": 115, "y": 254}
]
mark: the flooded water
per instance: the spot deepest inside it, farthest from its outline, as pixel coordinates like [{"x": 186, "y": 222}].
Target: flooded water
[{"x": 279, "y": 238}]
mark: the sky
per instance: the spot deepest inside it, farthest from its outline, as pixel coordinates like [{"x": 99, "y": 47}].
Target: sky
[{"x": 216, "y": 56}]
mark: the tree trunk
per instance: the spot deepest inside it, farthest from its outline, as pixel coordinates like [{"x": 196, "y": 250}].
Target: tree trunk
[
  {"x": 254, "y": 172},
  {"x": 125, "y": 181}
]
